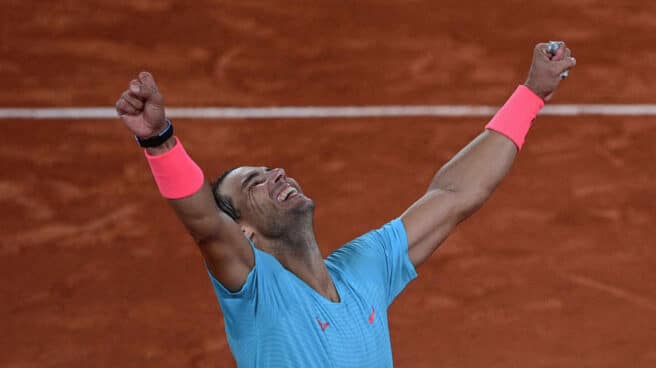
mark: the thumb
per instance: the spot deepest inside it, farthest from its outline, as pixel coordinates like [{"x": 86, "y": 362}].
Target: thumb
[
  {"x": 145, "y": 88},
  {"x": 149, "y": 88},
  {"x": 565, "y": 64},
  {"x": 541, "y": 52}
]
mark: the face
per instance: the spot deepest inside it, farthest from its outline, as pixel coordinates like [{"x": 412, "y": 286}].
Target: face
[{"x": 269, "y": 201}]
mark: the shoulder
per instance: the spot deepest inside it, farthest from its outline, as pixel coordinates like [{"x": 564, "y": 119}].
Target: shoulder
[
  {"x": 265, "y": 269},
  {"x": 370, "y": 247},
  {"x": 391, "y": 233}
]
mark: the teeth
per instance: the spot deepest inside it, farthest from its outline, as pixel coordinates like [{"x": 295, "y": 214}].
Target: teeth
[
  {"x": 293, "y": 191},
  {"x": 286, "y": 193}
]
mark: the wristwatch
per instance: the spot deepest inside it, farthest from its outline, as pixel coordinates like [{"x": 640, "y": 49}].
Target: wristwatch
[{"x": 160, "y": 138}]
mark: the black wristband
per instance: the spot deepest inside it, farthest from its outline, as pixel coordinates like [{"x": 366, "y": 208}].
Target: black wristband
[{"x": 158, "y": 139}]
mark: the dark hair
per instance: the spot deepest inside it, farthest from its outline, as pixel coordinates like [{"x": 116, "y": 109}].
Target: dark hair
[{"x": 223, "y": 201}]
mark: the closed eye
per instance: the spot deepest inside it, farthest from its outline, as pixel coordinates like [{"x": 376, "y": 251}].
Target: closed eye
[
  {"x": 260, "y": 179},
  {"x": 253, "y": 179},
  {"x": 255, "y": 182}
]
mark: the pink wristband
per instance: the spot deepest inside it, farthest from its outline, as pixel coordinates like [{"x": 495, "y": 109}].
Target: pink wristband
[
  {"x": 176, "y": 174},
  {"x": 514, "y": 119}
]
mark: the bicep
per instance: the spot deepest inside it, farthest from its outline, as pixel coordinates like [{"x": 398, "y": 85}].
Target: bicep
[
  {"x": 227, "y": 252},
  {"x": 430, "y": 220}
]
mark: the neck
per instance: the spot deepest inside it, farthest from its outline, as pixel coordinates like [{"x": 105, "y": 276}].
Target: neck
[{"x": 297, "y": 250}]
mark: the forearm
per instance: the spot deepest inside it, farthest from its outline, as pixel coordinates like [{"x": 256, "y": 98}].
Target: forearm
[
  {"x": 477, "y": 169},
  {"x": 182, "y": 183},
  {"x": 179, "y": 179},
  {"x": 469, "y": 178},
  {"x": 199, "y": 214}
]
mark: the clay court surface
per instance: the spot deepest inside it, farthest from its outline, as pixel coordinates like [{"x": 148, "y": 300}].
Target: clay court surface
[{"x": 556, "y": 270}]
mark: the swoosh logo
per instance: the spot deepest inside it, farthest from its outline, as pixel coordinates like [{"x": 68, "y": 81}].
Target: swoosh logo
[{"x": 372, "y": 316}]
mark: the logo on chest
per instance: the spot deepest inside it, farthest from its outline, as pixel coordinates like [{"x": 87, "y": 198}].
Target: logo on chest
[{"x": 323, "y": 325}]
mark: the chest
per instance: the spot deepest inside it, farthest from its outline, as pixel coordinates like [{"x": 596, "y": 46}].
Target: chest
[{"x": 351, "y": 333}]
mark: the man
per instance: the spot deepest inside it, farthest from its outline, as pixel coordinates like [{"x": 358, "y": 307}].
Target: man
[{"x": 283, "y": 304}]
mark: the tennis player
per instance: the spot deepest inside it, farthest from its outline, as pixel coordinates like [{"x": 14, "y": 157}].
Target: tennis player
[{"x": 285, "y": 305}]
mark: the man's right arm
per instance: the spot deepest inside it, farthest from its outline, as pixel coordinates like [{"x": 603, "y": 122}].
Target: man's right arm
[{"x": 227, "y": 253}]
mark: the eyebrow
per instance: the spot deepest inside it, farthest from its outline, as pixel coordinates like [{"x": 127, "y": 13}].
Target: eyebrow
[{"x": 248, "y": 178}]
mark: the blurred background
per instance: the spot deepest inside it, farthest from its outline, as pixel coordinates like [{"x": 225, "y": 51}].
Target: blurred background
[{"x": 556, "y": 270}]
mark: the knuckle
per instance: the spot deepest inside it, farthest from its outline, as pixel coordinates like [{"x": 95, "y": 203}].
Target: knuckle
[{"x": 145, "y": 77}]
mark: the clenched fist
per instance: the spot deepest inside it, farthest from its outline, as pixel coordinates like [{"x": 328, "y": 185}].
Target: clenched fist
[
  {"x": 544, "y": 76},
  {"x": 141, "y": 107}
]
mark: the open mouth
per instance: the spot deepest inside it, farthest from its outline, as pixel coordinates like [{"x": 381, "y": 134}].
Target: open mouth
[{"x": 287, "y": 193}]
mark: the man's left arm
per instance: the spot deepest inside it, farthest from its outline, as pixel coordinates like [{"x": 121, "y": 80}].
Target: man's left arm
[{"x": 461, "y": 186}]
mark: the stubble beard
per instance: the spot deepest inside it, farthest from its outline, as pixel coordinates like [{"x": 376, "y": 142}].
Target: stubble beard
[{"x": 285, "y": 223}]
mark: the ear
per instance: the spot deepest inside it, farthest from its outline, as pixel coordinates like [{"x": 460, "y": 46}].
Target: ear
[{"x": 248, "y": 231}]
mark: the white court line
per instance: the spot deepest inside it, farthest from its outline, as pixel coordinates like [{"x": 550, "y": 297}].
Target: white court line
[{"x": 327, "y": 112}]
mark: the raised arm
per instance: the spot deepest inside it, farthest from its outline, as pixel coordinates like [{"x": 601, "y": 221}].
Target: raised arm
[
  {"x": 464, "y": 183},
  {"x": 225, "y": 249}
]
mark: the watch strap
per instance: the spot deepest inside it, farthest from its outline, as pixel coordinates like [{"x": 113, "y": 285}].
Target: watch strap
[{"x": 158, "y": 139}]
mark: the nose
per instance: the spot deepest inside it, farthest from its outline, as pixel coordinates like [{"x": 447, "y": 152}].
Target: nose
[{"x": 278, "y": 174}]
